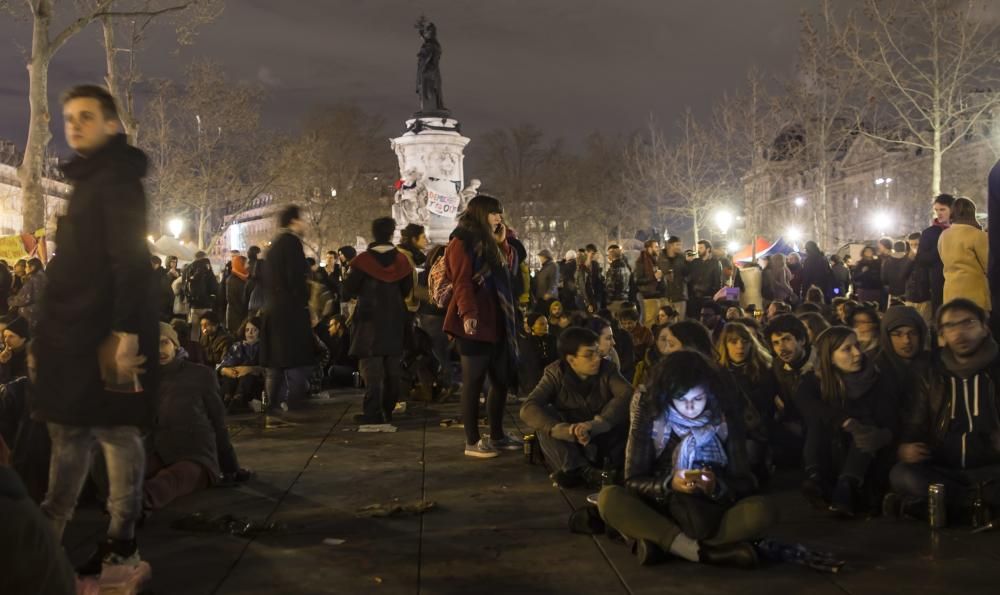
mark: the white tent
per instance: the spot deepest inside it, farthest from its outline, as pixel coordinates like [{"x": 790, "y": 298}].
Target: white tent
[{"x": 170, "y": 246}]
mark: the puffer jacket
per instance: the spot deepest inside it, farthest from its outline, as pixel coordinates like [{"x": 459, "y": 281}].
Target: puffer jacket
[{"x": 648, "y": 472}]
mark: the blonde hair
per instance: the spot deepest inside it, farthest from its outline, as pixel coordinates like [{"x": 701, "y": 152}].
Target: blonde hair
[{"x": 758, "y": 360}]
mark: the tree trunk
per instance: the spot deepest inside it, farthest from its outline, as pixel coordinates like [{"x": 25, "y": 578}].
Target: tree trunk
[
  {"x": 936, "y": 164},
  {"x": 113, "y": 82},
  {"x": 32, "y": 167},
  {"x": 694, "y": 225}
]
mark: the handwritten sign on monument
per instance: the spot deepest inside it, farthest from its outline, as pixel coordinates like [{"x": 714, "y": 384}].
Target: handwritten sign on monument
[{"x": 442, "y": 199}]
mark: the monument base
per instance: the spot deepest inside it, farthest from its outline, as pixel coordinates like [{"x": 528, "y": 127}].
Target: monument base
[{"x": 431, "y": 161}]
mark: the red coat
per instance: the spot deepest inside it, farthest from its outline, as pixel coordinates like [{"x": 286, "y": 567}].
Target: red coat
[{"x": 470, "y": 300}]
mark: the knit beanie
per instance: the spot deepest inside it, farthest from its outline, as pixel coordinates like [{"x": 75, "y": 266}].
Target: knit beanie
[
  {"x": 19, "y": 326},
  {"x": 168, "y": 331}
]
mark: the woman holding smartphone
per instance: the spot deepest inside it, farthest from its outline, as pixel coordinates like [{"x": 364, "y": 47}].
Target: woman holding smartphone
[
  {"x": 481, "y": 316},
  {"x": 688, "y": 484}
]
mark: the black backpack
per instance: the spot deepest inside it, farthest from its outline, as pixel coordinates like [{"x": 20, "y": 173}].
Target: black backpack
[{"x": 199, "y": 286}]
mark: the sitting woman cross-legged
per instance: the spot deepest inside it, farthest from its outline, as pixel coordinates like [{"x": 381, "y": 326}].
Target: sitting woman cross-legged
[
  {"x": 688, "y": 484},
  {"x": 851, "y": 412},
  {"x": 241, "y": 375}
]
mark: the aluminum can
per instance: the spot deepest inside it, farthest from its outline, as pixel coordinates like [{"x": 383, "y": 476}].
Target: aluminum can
[
  {"x": 529, "y": 448},
  {"x": 937, "y": 511}
]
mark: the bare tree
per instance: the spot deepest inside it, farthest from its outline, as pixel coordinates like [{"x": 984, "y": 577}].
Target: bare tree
[
  {"x": 123, "y": 36},
  {"x": 688, "y": 176},
  {"x": 45, "y": 43},
  {"x": 933, "y": 68},
  {"x": 212, "y": 154},
  {"x": 339, "y": 172},
  {"x": 820, "y": 101}
]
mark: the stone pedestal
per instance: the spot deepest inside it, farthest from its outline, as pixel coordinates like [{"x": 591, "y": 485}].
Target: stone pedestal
[{"x": 431, "y": 161}]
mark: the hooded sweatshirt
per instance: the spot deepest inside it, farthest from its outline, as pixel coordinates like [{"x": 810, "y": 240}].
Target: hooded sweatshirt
[
  {"x": 971, "y": 409},
  {"x": 906, "y": 372}
]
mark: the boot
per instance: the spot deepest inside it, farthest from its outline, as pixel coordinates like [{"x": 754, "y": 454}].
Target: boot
[
  {"x": 842, "y": 503},
  {"x": 734, "y": 555},
  {"x": 116, "y": 551},
  {"x": 648, "y": 553},
  {"x": 812, "y": 489}
]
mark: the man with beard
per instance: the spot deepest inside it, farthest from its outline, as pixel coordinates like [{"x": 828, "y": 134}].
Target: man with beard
[
  {"x": 951, "y": 434},
  {"x": 789, "y": 340}
]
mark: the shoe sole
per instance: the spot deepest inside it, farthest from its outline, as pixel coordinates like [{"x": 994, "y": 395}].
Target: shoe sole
[
  {"x": 481, "y": 455},
  {"x": 509, "y": 447}
]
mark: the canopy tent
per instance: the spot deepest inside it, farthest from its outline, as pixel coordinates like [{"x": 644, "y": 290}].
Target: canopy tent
[
  {"x": 764, "y": 248},
  {"x": 170, "y": 246}
]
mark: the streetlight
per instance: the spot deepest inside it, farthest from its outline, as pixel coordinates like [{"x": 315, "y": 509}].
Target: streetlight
[
  {"x": 175, "y": 226},
  {"x": 794, "y": 234},
  {"x": 882, "y": 221},
  {"x": 733, "y": 247},
  {"x": 799, "y": 201},
  {"x": 723, "y": 220}
]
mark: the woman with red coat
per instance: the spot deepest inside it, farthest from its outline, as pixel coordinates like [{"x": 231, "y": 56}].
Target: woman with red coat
[{"x": 481, "y": 316}]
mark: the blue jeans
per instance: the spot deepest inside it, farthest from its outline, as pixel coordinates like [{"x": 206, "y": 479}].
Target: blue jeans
[
  {"x": 71, "y": 457},
  {"x": 287, "y": 385}
]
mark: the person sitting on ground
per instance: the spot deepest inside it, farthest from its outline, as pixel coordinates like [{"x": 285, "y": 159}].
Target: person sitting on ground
[
  {"x": 192, "y": 349},
  {"x": 903, "y": 350},
  {"x": 660, "y": 348},
  {"x": 624, "y": 348},
  {"x": 189, "y": 447},
  {"x": 29, "y": 297},
  {"x": 865, "y": 322},
  {"x": 815, "y": 323},
  {"x": 555, "y": 311},
  {"x": 789, "y": 341},
  {"x": 242, "y": 377},
  {"x": 851, "y": 411},
  {"x": 734, "y": 313},
  {"x": 689, "y": 334},
  {"x": 749, "y": 365},
  {"x": 711, "y": 317},
  {"x": 538, "y": 350},
  {"x": 214, "y": 340},
  {"x": 14, "y": 356},
  {"x": 688, "y": 485},
  {"x": 951, "y": 432},
  {"x": 606, "y": 339},
  {"x": 579, "y": 411},
  {"x": 776, "y": 309},
  {"x": 666, "y": 315},
  {"x": 340, "y": 372},
  {"x": 642, "y": 337},
  {"x": 27, "y": 439}
]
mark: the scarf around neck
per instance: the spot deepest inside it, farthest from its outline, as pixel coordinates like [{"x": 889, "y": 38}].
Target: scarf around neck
[
  {"x": 983, "y": 357},
  {"x": 701, "y": 438},
  {"x": 857, "y": 384}
]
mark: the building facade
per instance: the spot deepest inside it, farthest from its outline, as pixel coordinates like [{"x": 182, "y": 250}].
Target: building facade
[{"x": 11, "y": 201}]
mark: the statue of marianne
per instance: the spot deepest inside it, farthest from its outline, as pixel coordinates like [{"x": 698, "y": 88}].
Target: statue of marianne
[{"x": 429, "y": 70}]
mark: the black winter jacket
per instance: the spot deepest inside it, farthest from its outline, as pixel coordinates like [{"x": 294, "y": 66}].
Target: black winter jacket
[
  {"x": 381, "y": 278},
  {"x": 99, "y": 281}
]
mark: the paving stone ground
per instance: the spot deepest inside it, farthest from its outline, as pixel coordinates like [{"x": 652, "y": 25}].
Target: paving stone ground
[{"x": 498, "y": 527}]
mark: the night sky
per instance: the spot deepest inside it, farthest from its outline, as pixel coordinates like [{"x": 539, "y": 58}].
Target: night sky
[{"x": 567, "y": 66}]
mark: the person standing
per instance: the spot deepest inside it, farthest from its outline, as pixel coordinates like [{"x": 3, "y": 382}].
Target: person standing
[
  {"x": 288, "y": 347},
  {"x": 481, "y": 316},
  {"x": 918, "y": 290},
  {"x": 816, "y": 271},
  {"x": 705, "y": 278},
  {"x": 964, "y": 251},
  {"x": 619, "y": 278},
  {"x": 236, "y": 285},
  {"x": 675, "y": 273},
  {"x": 546, "y": 282},
  {"x": 97, "y": 338},
  {"x": 896, "y": 268},
  {"x": 928, "y": 258},
  {"x": 381, "y": 279},
  {"x": 595, "y": 279},
  {"x": 649, "y": 281},
  {"x": 841, "y": 276}
]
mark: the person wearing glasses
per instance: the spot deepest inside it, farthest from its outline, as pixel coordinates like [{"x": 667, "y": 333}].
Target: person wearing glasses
[{"x": 951, "y": 433}]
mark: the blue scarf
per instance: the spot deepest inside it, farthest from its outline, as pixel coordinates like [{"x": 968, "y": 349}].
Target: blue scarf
[
  {"x": 701, "y": 439},
  {"x": 500, "y": 282}
]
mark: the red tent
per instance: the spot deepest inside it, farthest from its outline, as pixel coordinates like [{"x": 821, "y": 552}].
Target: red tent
[{"x": 746, "y": 254}]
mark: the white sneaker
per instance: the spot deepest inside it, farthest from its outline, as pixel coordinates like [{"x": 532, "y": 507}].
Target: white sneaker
[
  {"x": 256, "y": 405},
  {"x": 481, "y": 450},
  {"x": 283, "y": 406}
]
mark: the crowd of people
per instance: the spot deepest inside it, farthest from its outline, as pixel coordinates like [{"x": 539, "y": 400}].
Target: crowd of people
[{"x": 655, "y": 381}]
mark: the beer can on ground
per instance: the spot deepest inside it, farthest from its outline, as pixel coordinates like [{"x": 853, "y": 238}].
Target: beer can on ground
[
  {"x": 937, "y": 511},
  {"x": 529, "y": 448}
]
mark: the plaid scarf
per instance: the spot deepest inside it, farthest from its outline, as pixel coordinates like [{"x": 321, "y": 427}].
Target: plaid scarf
[
  {"x": 701, "y": 439},
  {"x": 500, "y": 282}
]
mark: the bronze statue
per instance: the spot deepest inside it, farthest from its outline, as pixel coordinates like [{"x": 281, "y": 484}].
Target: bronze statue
[{"x": 429, "y": 71}]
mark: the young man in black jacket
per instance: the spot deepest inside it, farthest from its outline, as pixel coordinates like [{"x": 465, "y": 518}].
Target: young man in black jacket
[
  {"x": 951, "y": 432},
  {"x": 381, "y": 280},
  {"x": 98, "y": 331},
  {"x": 579, "y": 411}
]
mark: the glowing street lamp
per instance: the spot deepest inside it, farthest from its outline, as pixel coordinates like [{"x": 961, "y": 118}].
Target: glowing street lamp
[
  {"x": 882, "y": 221},
  {"x": 723, "y": 220},
  {"x": 733, "y": 247},
  {"x": 799, "y": 201},
  {"x": 175, "y": 226},
  {"x": 794, "y": 234}
]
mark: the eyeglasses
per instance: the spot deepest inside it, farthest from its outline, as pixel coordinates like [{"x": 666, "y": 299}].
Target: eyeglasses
[
  {"x": 961, "y": 325},
  {"x": 901, "y": 334}
]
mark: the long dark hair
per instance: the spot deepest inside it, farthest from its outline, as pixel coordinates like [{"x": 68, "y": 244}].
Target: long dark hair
[
  {"x": 831, "y": 379},
  {"x": 475, "y": 221},
  {"x": 693, "y": 335},
  {"x": 680, "y": 371}
]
